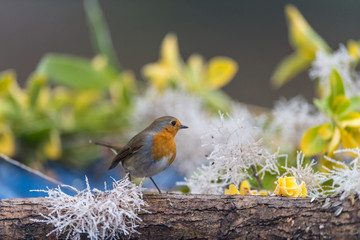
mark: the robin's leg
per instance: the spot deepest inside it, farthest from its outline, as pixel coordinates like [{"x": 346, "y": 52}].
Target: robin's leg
[
  {"x": 129, "y": 177},
  {"x": 155, "y": 185}
]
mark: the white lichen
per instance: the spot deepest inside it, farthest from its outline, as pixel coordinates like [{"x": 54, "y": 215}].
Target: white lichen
[
  {"x": 236, "y": 148},
  {"x": 305, "y": 172},
  {"x": 290, "y": 120},
  {"x": 342, "y": 61},
  {"x": 104, "y": 214},
  {"x": 345, "y": 177},
  {"x": 202, "y": 181}
]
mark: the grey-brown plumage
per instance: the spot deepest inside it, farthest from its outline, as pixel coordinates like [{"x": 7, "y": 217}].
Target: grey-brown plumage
[
  {"x": 125, "y": 152},
  {"x": 138, "y": 156}
]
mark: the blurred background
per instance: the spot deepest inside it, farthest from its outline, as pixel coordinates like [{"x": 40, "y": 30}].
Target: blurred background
[{"x": 253, "y": 33}]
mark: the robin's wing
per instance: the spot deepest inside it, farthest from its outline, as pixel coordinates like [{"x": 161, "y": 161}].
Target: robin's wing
[{"x": 127, "y": 151}]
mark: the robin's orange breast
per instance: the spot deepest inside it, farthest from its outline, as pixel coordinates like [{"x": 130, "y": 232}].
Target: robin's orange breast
[{"x": 164, "y": 146}]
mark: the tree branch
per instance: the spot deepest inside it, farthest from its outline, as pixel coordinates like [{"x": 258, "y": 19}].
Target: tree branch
[{"x": 182, "y": 216}]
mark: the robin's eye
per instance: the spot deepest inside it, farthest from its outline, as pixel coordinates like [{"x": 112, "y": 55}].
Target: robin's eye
[{"x": 173, "y": 123}]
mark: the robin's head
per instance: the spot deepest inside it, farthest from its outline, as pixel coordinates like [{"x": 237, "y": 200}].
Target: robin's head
[{"x": 167, "y": 123}]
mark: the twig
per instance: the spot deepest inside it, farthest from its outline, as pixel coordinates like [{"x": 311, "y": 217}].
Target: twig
[
  {"x": 256, "y": 176},
  {"x": 30, "y": 170}
]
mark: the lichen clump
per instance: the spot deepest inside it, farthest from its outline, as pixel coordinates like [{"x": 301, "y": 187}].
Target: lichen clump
[{"x": 104, "y": 214}]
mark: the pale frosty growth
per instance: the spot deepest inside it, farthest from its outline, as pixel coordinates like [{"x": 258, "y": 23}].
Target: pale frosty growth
[
  {"x": 236, "y": 147},
  {"x": 202, "y": 181},
  {"x": 290, "y": 120},
  {"x": 346, "y": 178},
  {"x": 190, "y": 111},
  {"x": 306, "y": 173},
  {"x": 102, "y": 215},
  {"x": 340, "y": 60}
]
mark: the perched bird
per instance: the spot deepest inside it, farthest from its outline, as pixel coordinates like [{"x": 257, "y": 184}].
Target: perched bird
[{"x": 149, "y": 152}]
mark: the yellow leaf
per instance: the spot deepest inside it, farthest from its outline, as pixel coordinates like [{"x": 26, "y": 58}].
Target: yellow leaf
[
  {"x": 158, "y": 75},
  {"x": 9, "y": 85},
  {"x": 99, "y": 62},
  {"x": 6, "y": 79},
  {"x": 312, "y": 142},
  {"x": 288, "y": 68},
  {"x": 195, "y": 64},
  {"x": 170, "y": 50},
  {"x": 86, "y": 98},
  {"x": 325, "y": 131},
  {"x": 350, "y": 120},
  {"x": 340, "y": 104},
  {"x": 220, "y": 71},
  {"x": 353, "y": 49},
  {"x": 303, "y": 37},
  {"x": 7, "y": 141},
  {"x": 227, "y": 192},
  {"x": 52, "y": 148},
  {"x": 335, "y": 141},
  {"x": 349, "y": 140},
  {"x": 168, "y": 68}
]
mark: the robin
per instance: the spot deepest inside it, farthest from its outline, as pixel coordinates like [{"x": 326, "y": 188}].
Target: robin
[{"x": 149, "y": 152}]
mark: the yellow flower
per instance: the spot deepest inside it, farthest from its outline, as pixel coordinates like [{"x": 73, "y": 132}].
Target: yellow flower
[
  {"x": 305, "y": 41},
  {"x": 7, "y": 141},
  {"x": 195, "y": 76},
  {"x": 244, "y": 190},
  {"x": 168, "y": 68},
  {"x": 52, "y": 147},
  {"x": 10, "y": 87},
  {"x": 353, "y": 49},
  {"x": 288, "y": 187},
  {"x": 232, "y": 190},
  {"x": 219, "y": 72},
  {"x": 99, "y": 62}
]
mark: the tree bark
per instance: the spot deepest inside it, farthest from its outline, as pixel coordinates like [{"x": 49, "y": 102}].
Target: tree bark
[{"x": 175, "y": 216}]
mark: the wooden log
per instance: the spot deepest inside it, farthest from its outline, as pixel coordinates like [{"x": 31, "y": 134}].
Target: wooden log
[{"x": 185, "y": 216}]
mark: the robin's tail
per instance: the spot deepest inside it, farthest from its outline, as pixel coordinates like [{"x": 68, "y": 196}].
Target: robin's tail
[{"x": 115, "y": 147}]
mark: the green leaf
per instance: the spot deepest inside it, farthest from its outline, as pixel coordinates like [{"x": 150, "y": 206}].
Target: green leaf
[
  {"x": 312, "y": 142},
  {"x": 289, "y": 68},
  {"x": 340, "y": 104},
  {"x": 6, "y": 78},
  {"x": 100, "y": 32},
  {"x": 216, "y": 100},
  {"x": 354, "y": 104},
  {"x": 75, "y": 72},
  {"x": 35, "y": 84},
  {"x": 323, "y": 105},
  {"x": 336, "y": 85}
]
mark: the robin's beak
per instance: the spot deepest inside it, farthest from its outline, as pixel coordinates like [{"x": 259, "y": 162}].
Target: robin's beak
[{"x": 183, "y": 126}]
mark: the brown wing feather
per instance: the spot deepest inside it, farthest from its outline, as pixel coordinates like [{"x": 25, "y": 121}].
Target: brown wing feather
[{"x": 128, "y": 150}]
